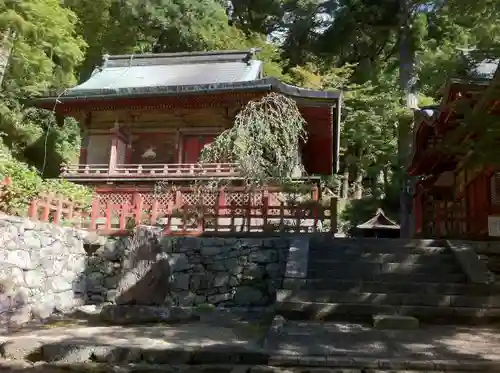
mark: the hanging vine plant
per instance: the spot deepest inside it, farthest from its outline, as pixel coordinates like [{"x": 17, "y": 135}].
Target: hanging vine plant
[{"x": 263, "y": 141}]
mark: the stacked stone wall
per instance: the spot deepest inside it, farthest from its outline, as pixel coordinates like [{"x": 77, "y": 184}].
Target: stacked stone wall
[{"x": 46, "y": 268}]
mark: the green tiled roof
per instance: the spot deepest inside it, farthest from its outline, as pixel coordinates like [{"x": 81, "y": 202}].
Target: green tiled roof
[{"x": 148, "y": 72}]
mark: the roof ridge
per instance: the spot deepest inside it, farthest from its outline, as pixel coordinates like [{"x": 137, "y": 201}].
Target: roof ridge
[{"x": 181, "y": 54}]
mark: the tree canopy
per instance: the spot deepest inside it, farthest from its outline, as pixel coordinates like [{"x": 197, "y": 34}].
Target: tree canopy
[{"x": 353, "y": 45}]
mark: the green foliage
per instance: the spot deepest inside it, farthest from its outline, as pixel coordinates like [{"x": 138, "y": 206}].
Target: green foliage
[
  {"x": 45, "y": 48},
  {"x": 351, "y": 45},
  {"x": 28, "y": 184},
  {"x": 45, "y": 52}
]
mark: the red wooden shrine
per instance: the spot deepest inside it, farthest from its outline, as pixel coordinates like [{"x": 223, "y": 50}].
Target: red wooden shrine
[
  {"x": 145, "y": 119},
  {"x": 454, "y": 196}
]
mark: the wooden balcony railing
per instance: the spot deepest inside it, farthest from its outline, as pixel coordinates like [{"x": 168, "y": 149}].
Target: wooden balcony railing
[{"x": 171, "y": 170}]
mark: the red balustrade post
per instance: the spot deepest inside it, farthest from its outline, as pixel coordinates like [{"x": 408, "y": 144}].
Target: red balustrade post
[
  {"x": 33, "y": 210},
  {"x": 138, "y": 207},
  {"x": 154, "y": 212},
  {"x": 94, "y": 214},
  {"x": 109, "y": 216},
  {"x": 124, "y": 213},
  {"x": 58, "y": 212},
  {"x": 46, "y": 207}
]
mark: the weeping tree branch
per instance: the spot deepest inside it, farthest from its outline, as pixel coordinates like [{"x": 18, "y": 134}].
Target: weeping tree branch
[{"x": 263, "y": 142}]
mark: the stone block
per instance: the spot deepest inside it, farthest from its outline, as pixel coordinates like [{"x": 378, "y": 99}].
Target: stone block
[
  {"x": 476, "y": 270},
  {"x": 128, "y": 315},
  {"x": 395, "y": 322}
]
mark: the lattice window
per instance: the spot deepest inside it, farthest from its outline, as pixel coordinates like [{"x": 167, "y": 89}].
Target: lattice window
[
  {"x": 113, "y": 198},
  {"x": 164, "y": 198},
  {"x": 495, "y": 189},
  {"x": 205, "y": 198}
]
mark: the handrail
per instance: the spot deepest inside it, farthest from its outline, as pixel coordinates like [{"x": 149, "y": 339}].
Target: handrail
[{"x": 168, "y": 169}]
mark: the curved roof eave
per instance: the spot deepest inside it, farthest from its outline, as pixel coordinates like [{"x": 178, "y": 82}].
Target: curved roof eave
[{"x": 265, "y": 84}]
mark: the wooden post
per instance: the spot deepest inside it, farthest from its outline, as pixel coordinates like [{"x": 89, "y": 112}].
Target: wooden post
[
  {"x": 217, "y": 208},
  {"x": 249, "y": 212},
  {"x": 109, "y": 215},
  {"x": 315, "y": 215},
  {"x": 124, "y": 212},
  {"x": 265, "y": 210},
  {"x": 315, "y": 193},
  {"x": 298, "y": 211},
  {"x": 33, "y": 210},
  {"x": 154, "y": 212},
  {"x": 113, "y": 155},
  {"x": 333, "y": 215},
  {"x": 282, "y": 214},
  {"x": 232, "y": 209},
  {"x": 96, "y": 206},
  {"x": 138, "y": 207},
  {"x": 168, "y": 226},
  {"x": 221, "y": 200},
  {"x": 46, "y": 207},
  {"x": 58, "y": 212},
  {"x": 178, "y": 198},
  {"x": 84, "y": 148},
  {"x": 201, "y": 218}
]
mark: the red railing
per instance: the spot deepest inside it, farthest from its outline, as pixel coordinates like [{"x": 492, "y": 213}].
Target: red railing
[
  {"x": 170, "y": 170},
  {"x": 251, "y": 216},
  {"x": 4, "y": 193}
]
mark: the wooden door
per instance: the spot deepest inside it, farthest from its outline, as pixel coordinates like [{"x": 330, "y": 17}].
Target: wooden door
[{"x": 193, "y": 145}]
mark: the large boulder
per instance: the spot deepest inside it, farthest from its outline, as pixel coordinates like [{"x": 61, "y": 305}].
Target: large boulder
[
  {"x": 144, "y": 282},
  {"x": 145, "y": 274}
]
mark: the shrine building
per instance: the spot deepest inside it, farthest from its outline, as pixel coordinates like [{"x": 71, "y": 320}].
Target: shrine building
[
  {"x": 457, "y": 195},
  {"x": 145, "y": 119}
]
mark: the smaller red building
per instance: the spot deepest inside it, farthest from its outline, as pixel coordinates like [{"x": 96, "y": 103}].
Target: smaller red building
[{"x": 455, "y": 195}]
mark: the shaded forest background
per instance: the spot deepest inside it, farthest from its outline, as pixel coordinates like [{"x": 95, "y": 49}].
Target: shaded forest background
[{"x": 354, "y": 45}]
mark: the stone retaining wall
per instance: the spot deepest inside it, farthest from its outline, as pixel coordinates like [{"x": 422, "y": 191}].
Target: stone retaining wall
[
  {"x": 242, "y": 272},
  {"x": 40, "y": 267},
  {"x": 45, "y": 267}
]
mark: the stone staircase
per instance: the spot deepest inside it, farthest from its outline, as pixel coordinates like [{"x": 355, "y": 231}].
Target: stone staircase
[{"x": 356, "y": 279}]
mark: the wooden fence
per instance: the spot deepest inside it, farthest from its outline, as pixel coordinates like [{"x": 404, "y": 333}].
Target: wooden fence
[
  {"x": 120, "y": 218},
  {"x": 182, "y": 215}
]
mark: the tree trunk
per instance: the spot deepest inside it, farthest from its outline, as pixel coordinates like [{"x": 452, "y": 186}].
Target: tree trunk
[
  {"x": 358, "y": 184},
  {"x": 406, "y": 71},
  {"x": 5, "y": 52},
  {"x": 345, "y": 184}
]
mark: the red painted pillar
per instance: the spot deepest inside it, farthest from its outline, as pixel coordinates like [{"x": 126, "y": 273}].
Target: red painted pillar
[
  {"x": 84, "y": 149},
  {"x": 114, "y": 146},
  {"x": 128, "y": 153}
]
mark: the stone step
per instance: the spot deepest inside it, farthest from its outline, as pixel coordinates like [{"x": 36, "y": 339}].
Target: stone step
[
  {"x": 374, "y": 244},
  {"x": 443, "y": 288},
  {"x": 347, "y": 274},
  {"x": 492, "y": 262},
  {"x": 375, "y": 257},
  {"x": 357, "y": 312},
  {"x": 280, "y": 364},
  {"x": 391, "y": 299},
  {"x": 353, "y": 364},
  {"x": 377, "y": 268},
  {"x": 368, "y": 257},
  {"x": 332, "y": 249}
]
